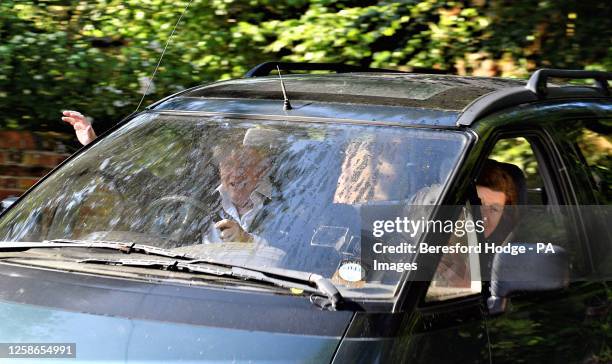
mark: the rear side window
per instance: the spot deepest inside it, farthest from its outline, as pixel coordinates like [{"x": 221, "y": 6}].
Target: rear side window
[
  {"x": 589, "y": 156},
  {"x": 593, "y": 141}
]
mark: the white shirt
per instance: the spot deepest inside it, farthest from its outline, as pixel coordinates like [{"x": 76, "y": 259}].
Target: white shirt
[{"x": 258, "y": 197}]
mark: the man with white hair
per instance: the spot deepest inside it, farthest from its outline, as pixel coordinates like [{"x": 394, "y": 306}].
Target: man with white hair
[
  {"x": 244, "y": 190},
  {"x": 243, "y": 168}
]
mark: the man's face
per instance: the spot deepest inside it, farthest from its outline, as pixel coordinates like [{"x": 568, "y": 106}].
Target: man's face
[
  {"x": 240, "y": 173},
  {"x": 492, "y": 207}
]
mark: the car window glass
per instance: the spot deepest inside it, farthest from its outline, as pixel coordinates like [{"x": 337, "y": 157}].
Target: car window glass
[
  {"x": 458, "y": 274},
  {"x": 593, "y": 141},
  {"x": 518, "y": 152},
  {"x": 539, "y": 218},
  {"x": 534, "y": 219},
  {"x": 589, "y": 159},
  {"x": 256, "y": 193}
]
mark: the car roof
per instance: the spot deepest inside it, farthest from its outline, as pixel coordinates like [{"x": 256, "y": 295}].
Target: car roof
[
  {"x": 413, "y": 99},
  {"x": 441, "y": 92}
]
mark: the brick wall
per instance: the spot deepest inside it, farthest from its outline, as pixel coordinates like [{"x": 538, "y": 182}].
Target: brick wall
[{"x": 26, "y": 156}]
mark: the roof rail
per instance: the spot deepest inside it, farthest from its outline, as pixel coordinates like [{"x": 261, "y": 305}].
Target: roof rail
[
  {"x": 536, "y": 90},
  {"x": 538, "y": 81},
  {"x": 264, "y": 69}
]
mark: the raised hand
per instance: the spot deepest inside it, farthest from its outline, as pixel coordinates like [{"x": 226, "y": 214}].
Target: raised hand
[{"x": 83, "y": 129}]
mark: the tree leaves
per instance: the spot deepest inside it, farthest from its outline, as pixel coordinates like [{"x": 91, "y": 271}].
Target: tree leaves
[{"x": 90, "y": 55}]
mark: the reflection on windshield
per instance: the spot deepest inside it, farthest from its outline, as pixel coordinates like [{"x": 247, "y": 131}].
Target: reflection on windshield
[{"x": 268, "y": 194}]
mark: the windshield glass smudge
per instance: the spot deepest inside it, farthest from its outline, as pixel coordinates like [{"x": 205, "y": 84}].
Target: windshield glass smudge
[{"x": 256, "y": 193}]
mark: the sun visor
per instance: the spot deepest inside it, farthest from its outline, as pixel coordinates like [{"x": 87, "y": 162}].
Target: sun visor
[{"x": 264, "y": 138}]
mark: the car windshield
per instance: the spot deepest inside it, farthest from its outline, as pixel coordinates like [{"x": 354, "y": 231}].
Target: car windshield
[{"x": 249, "y": 192}]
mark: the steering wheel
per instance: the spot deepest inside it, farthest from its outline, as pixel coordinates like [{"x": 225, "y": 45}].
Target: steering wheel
[{"x": 187, "y": 214}]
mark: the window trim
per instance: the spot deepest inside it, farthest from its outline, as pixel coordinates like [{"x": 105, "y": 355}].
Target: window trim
[
  {"x": 554, "y": 173},
  {"x": 546, "y": 155},
  {"x": 580, "y": 154},
  {"x": 572, "y": 177},
  {"x": 558, "y": 187}
]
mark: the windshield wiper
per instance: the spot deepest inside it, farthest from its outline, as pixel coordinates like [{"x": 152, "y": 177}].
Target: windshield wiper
[
  {"x": 126, "y": 248},
  {"x": 285, "y": 278}
]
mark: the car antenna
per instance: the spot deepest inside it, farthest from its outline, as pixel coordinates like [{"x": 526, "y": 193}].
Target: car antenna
[
  {"x": 162, "y": 56},
  {"x": 286, "y": 103}
]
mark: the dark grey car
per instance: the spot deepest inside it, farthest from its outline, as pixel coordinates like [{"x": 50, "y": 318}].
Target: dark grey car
[{"x": 113, "y": 249}]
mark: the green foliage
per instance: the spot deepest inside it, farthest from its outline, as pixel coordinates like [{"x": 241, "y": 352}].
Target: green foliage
[
  {"x": 94, "y": 56},
  {"x": 516, "y": 151}
]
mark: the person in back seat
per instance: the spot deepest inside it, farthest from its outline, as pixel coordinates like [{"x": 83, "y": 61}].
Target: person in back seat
[{"x": 497, "y": 190}]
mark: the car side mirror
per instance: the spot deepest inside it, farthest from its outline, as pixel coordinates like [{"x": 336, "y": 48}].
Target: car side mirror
[
  {"x": 537, "y": 269},
  {"x": 7, "y": 202}
]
